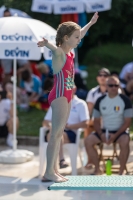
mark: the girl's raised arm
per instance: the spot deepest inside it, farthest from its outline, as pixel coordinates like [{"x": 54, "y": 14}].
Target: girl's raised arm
[
  {"x": 46, "y": 43},
  {"x": 87, "y": 26}
]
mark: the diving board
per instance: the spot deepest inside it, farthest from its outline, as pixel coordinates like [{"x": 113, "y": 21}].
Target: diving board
[{"x": 94, "y": 182}]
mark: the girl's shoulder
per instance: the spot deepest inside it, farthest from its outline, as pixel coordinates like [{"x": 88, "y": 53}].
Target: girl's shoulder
[{"x": 58, "y": 52}]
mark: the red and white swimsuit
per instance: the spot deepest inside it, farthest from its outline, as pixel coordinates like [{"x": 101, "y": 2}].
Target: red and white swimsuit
[{"x": 63, "y": 81}]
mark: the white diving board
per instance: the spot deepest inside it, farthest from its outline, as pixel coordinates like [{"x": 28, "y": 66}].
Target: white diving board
[{"x": 94, "y": 182}]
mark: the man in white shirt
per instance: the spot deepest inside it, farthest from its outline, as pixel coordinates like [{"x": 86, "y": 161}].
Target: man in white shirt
[
  {"x": 99, "y": 90},
  {"x": 116, "y": 112},
  {"x": 6, "y": 118},
  {"x": 94, "y": 94},
  {"x": 78, "y": 118}
]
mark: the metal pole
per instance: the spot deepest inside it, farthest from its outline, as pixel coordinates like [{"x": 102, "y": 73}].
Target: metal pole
[{"x": 14, "y": 104}]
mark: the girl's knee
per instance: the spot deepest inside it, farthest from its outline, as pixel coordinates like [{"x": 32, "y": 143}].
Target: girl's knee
[
  {"x": 57, "y": 135},
  {"x": 89, "y": 140}
]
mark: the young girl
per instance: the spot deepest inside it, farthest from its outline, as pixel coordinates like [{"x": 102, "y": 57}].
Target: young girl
[{"x": 69, "y": 35}]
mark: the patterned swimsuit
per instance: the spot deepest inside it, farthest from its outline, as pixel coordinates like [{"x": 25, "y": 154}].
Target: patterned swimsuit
[{"x": 63, "y": 81}]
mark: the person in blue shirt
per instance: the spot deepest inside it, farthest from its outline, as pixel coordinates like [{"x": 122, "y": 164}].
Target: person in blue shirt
[
  {"x": 45, "y": 68},
  {"x": 32, "y": 85},
  {"x": 46, "y": 87}
]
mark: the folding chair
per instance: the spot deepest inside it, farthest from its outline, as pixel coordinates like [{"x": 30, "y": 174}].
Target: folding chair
[{"x": 112, "y": 157}]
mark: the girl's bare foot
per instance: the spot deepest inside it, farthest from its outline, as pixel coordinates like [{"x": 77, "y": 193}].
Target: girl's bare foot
[
  {"x": 45, "y": 180},
  {"x": 54, "y": 177},
  {"x": 66, "y": 179}
]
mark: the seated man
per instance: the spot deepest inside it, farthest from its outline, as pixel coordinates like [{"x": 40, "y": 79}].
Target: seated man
[
  {"x": 97, "y": 92},
  {"x": 78, "y": 118},
  {"x": 6, "y": 117},
  {"x": 116, "y": 112}
]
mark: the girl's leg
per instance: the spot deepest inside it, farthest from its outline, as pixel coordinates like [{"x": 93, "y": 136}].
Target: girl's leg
[
  {"x": 61, "y": 146},
  {"x": 59, "y": 117}
]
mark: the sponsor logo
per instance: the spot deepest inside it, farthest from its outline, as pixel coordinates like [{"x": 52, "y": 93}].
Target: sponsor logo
[
  {"x": 97, "y": 6},
  {"x": 68, "y": 8},
  {"x": 16, "y": 37},
  {"x": 42, "y": 7},
  {"x": 16, "y": 53}
]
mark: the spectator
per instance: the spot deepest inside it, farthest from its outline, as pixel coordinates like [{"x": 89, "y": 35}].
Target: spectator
[
  {"x": 45, "y": 70},
  {"x": 30, "y": 89},
  {"x": 116, "y": 112},
  {"x": 32, "y": 85},
  {"x": 7, "y": 65},
  {"x": 96, "y": 92},
  {"x": 126, "y": 73},
  {"x": 82, "y": 89},
  {"x": 115, "y": 73},
  {"x": 7, "y": 13},
  {"x": 6, "y": 117},
  {"x": 126, "y": 78},
  {"x": 78, "y": 118},
  {"x": 128, "y": 89},
  {"x": 48, "y": 84},
  {"x": 35, "y": 71}
]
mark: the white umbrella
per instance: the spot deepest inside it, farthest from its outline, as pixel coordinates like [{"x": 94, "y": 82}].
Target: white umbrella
[
  {"x": 14, "y": 12},
  {"x": 19, "y": 36},
  {"x": 18, "y": 40},
  {"x": 70, "y": 6}
]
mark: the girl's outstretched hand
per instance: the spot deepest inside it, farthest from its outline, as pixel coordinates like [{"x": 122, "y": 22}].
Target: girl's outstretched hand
[
  {"x": 94, "y": 18},
  {"x": 42, "y": 43}
]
